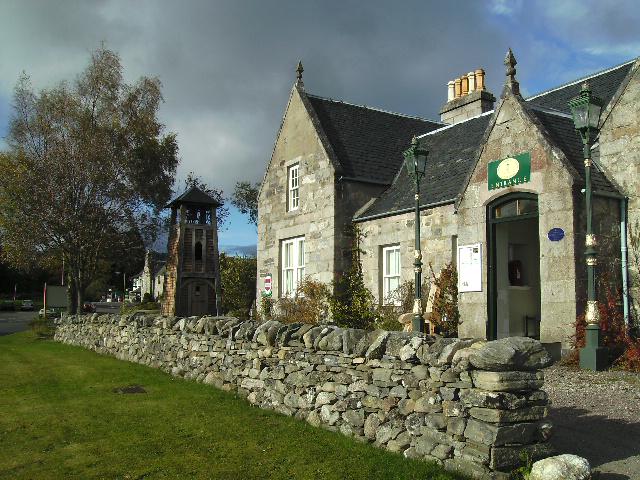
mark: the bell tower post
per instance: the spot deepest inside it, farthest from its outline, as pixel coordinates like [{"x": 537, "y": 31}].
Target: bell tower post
[{"x": 193, "y": 267}]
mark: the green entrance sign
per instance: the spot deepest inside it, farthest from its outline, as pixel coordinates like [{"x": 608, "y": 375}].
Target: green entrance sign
[{"x": 509, "y": 171}]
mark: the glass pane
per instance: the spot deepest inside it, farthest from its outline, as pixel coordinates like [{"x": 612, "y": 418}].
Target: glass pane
[
  {"x": 293, "y": 177},
  {"x": 288, "y": 282},
  {"x": 301, "y": 253},
  {"x": 594, "y": 115},
  {"x": 527, "y": 206},
  {"x": 394, "y": 282},
  {"x": 288, "y": 255},
  {"x": 506, "y": 210},
  {"x": 396, "y": 262},
  {"x": 387, "y": 262}
]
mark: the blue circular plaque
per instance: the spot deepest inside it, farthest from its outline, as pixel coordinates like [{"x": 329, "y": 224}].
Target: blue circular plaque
[{"x": 555, "y": 234}]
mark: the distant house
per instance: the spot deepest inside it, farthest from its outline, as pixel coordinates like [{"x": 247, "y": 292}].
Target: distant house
[{"x": 151, "y": 279}]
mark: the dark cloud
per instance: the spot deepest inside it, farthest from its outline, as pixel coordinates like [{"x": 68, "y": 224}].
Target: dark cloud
[{"x": 227, "y": 66}]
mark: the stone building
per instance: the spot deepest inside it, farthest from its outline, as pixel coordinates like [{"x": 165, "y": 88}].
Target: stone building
[
  {"x": 192, "y": 278},
  {"x": 502, "y": 198},
  {"x": 151, "y": 279}
]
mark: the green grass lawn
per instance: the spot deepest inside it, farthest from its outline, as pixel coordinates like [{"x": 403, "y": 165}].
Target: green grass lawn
[{"x": 59, "y": 418}]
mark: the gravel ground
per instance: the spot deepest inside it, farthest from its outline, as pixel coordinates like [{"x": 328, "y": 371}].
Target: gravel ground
[{"x": 597, "y": 416}]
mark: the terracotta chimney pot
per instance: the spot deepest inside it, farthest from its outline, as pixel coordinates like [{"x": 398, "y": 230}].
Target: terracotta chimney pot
[
  {"x": 465, "y": 85},
  {"x": 480, "y": 80},
  {"x": 457, "y": 83}
]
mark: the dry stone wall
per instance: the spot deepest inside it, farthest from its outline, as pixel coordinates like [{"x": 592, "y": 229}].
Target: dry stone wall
[{"x": 471, "y": 405}]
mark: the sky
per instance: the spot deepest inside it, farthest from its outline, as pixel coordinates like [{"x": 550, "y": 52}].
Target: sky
[{"x": 227, "y": 67}]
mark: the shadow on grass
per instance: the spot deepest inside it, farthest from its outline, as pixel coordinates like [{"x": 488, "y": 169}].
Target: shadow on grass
[{"x": 599, "y": 439}]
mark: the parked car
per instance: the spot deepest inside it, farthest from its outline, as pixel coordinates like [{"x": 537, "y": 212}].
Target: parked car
[
  {"x": 50, "y": 313},
  {"x": 27, "y": 305},
  {"x": 88, "y": 307}
]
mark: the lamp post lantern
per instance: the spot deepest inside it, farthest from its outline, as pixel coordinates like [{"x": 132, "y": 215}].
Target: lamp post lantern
[
  {"x": 586, "y": 109},
  {"x": 415, "y": 159}
]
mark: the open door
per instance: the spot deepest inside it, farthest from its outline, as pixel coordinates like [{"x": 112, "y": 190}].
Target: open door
[{"x": 514, "y": 267}]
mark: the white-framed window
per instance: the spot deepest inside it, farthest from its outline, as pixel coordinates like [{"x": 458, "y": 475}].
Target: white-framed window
[
  {"x": 293, "y": 193},
  {"x": 292, "y": 265},
  {"x": 390, "y": 274}
]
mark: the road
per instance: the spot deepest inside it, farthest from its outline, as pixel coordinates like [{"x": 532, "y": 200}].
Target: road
[
  {"x": 12, "y": 322},
  {"x": 107, "y": 307}
]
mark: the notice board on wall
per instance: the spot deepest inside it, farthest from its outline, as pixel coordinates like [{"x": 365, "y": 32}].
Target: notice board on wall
[{"x": 470, "y": 268}]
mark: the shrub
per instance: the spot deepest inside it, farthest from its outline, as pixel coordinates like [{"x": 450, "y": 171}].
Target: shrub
[
  {"x": 266, "y": 309},
  {"x": 43, "y": 328},
  {"x": 445, "y": 316},
  {"x": 147, "y": 298},
  {"x": 630, "y": 358},
  {"x": 387, "y": 318},
  {"x": 352, "y": 304},
  {"x": 623, "y": 345},
  {"x": 310, "y": 304},
  {"x": 402, "y": 299},
  {"x": 238, "y": 281}
]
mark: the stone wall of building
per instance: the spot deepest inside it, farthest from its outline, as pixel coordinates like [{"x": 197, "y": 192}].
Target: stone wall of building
[
  {"x": 438, "y": 230},
  {"x": 619, "y": 155},
  {"x": 471, "y": 405},
  {"x": 297, "y": 143},
  {"x": 350, "y": 197},
  {"x": 606, "y": 226},
  {"x": 515, "y": 132}
]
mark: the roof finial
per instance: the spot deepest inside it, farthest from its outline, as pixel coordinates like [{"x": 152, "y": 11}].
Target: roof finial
[
  {"x": 299, "y": 71},
  {"x": 510, "y": 62}
]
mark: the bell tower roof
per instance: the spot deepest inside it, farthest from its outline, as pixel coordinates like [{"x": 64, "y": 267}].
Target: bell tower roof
[{"x": 193, "y": 196}]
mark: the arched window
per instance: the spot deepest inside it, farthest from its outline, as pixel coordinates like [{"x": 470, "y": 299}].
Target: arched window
[
  {"x": 198, "y": 251},
  {"x": 515, "y": 205}
]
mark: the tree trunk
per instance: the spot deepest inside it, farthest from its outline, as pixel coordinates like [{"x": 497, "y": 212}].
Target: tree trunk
[
  {"x": 80, "y": 292},
  {"x": 72, "y": 304}
]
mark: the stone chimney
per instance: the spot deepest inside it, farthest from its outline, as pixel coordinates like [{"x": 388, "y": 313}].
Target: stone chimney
[{"x": 466, "y": 97}]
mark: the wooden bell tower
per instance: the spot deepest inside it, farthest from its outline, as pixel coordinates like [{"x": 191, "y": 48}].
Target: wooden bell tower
[{"x": 192, "y": 286}]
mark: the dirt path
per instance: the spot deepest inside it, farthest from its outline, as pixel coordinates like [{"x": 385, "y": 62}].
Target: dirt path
[{"x": 597, "y": 416}]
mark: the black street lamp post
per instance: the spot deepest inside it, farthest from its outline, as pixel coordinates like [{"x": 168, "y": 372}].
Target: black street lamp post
[
  {"x": 586, "y": 109},
  {"x": 415, "y": 159}
]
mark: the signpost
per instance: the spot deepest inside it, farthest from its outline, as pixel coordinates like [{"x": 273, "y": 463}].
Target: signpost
[
  {"x": 267, "y": 292},
  {"x": 470, "y": 268},
  {"x": 509, "y": 171},
  {"x": 555, "y": 234}
]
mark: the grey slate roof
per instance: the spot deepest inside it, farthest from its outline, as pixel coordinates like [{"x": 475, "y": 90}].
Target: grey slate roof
[
  {"x": 368, "y": 142},
  {"x": 452, "y": 149},
  {"x": 563, "y": 135},
  {"x": 603, "y": 84},
  {"x": 194, "y": 195},
  {"x": 451, "y": 155}
]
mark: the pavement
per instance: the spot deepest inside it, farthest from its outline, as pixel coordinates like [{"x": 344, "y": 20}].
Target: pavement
[
  {"x": 12, "y": 322},
  {"x": 596, "y": 415}
]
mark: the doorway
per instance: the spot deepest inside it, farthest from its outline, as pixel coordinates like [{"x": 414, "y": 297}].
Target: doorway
[
  {"x": 514, "y": 267},
  {"x": 197, "y": 298}
]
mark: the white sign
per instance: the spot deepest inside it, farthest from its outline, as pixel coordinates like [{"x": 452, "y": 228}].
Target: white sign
[
  {"x": 470, "y": 268},
  {"x": 267, "y": 285}
]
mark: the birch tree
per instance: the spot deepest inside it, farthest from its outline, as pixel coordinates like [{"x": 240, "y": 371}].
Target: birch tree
[{"x": 87, "y": 160}]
